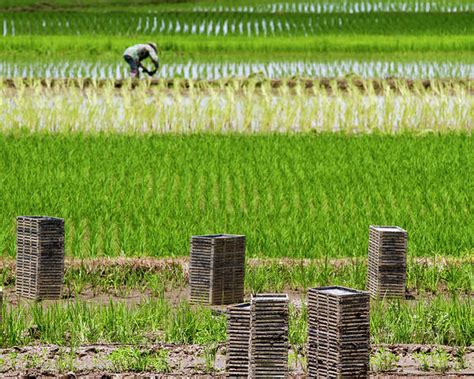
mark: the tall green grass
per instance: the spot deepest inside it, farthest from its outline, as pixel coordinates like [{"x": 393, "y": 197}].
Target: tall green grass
[
  {"x": 292, "y": 195},
  {"x": 446, "y": 321},
  {"x": 435, "y": 321},
  {"x": 78, "y": 323}
]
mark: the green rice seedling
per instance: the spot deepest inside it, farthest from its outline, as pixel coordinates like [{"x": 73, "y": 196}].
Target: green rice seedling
[
  {"x": 254, "y": 6},
  {"x": 435, "y": 276},
  {"x": 201, "y": 327},
  {"x": 297, "y": 334},
  {"x": 440, "y": 360},
  {"x": 460, "y": 359},
  {"x": 383, "y": 361},
  {"x": 34, "y": 361},
  {"x": 135, "y": 360},
  {"x": 13, "y": 359},
  {"x": 101, "y": 277},
  {"x": 97, "y": 56},
  {"x": 437, "y": 360},
  {"x": 443, "y": 320},
  {"x": 225, "y": 24},
  {"x": 301, "y": 276},
  {"x": 66, "y": 361},
  {"x": 423, "y": 361},
  {"x": 121, "y": 278},
  {"x": 210, "y": 353}
]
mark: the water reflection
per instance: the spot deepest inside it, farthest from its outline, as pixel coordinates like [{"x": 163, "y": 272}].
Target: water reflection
[{"x": 210, "y": 71}]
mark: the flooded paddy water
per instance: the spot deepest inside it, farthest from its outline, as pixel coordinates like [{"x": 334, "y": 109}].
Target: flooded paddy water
[{"x": 220, "y": 70}]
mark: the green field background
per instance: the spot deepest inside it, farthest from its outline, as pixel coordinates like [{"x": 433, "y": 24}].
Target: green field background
[
  {"x": 291, "y": 195},
  {"x": 98, "y": 32}
]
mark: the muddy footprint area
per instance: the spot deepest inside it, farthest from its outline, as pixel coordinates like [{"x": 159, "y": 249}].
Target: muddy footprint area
[{"x": 172, "y": 360}]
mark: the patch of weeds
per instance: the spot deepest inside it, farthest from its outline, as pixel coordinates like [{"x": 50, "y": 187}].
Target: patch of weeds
[
  {"x": 383, "y": 360},
  {"x": 210, "y": 353},
  {"x": 298, "y": 330},
  {"x": 440, "y": 360},
  {"x": 297, "y": 359},
  {"x": 437, "y": 360},
  {"x": 423, "y": 361},
  {"x": 460, "y": 361},
  {"x": 66, "y": 361},
  {"x": 13, "y": 358},
  {"x": 135, "y": 360},
  {"x": 33, "y": 361}
]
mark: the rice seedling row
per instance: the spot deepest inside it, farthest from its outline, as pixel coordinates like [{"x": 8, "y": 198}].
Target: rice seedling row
[
  {"x": 232, "y": 24},
  {"x": 346, "y": 6},
  {"x": 44, "y": 50},
  {"x": 443, "y": 321},
  {"x": 246, "y": 6},
  {"x": 216, "y": 70}
]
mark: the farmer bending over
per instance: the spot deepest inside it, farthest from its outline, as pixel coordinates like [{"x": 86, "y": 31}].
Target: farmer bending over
[{"x": 134, "y": 55}]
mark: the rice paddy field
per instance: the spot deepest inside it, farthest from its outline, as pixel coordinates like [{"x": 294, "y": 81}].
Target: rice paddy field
[{"x": 295, "y": 123}]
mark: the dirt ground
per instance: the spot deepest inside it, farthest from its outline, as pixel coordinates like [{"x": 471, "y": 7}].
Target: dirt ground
[{"x": 185, "y": 360}]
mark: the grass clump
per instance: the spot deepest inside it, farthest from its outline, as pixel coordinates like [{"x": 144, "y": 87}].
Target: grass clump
[
  {"x": 79, "y": 322},
  {"x": 135, "y": 360},
  {"x": 437, "y": 360},
  {"x": 441, "y": 320},
  {"x": 383, "y": 361}
]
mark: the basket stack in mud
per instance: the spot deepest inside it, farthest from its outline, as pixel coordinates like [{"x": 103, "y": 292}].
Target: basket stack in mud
[
  {"x": 217, "y": 269},
  {"x": 386, "y": 275},
  {"x": 238, "y": 339},
  {"x": 39, "y": 257},
  {"x": 269, "y": 336},
  {"x": 338, "y": 333}
]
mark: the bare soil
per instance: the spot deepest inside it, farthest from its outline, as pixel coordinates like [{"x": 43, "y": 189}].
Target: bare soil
[{"x": 92, "y": 361}]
